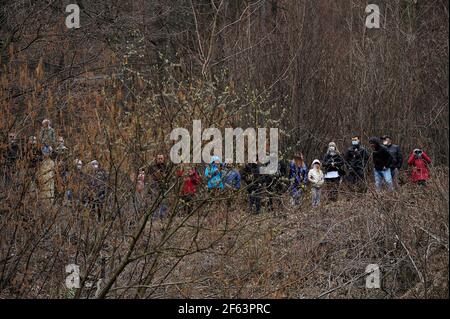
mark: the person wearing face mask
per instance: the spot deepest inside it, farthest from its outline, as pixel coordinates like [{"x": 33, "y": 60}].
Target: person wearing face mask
[
  {"x": 356, "y": 158},
  {"x": 382, "y": 160},
  {"x": 397, "y": 158},
  {"x": 333, "y": 164}
]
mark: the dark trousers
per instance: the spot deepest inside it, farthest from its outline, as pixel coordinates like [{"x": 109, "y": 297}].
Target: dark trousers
[
  {"x": 356, "y": 181},
  {"x": 255, "y": 200},
  {"x": 332, "y": 187}
]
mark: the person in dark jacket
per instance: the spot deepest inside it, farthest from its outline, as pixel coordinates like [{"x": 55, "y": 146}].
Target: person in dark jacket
[
  {"x": 97, "y": 185},
  {"x": 76, "y": 182},
  {"x": 356, "y": 158},
  {"x": 333, "y": 165},
  {"x": 276, "y": 184},
  {"x": 397, "y": 158},
  {"x": 255, "y": 185},
  {"x": 382, "y": 161}
]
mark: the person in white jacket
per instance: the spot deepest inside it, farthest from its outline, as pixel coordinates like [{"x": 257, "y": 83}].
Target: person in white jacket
[{"x": 316, "y": 178}]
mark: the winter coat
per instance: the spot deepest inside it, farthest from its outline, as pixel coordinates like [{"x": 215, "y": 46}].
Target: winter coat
[
  {"x": 335, "y": 159},
  {"x": 298, "y": 175},
  {"x": 420, "y": 171},
  {"x": 214, "y": 175},
  {"x": 12, "y": 154},
  {"x": 47, "y": 136},
  {"x": 158, "y": 172},
  {"x": 356, "y": 158},
  {"x": 232, "y": 179},
  {"x": 253, "y": 178},
  {"x": 381, "y": 156},
  {"x": 316, "y": 177},
  {"x": 397, "y": 156},
  {"x": 97, "y": 185},
  {"x": 191, "y": 180}
]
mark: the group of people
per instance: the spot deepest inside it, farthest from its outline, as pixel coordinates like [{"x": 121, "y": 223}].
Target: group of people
[{"x": 46, "y": 161}]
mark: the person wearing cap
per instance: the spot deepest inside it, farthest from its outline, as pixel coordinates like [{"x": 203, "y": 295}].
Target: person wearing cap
[
  {"x": 298, "y": 175},
  {"x": 46, "y": 176},
  {"x": 47, "y": 135},
  {"x": 213, "y": 173},
  {"x": 356, "y": 158},
  {"x": 382, "y": 160},
  {"x": 333, "y": 164},
  {"x": 419, "y": 161},
  {"x": 316, "y": 178},
  {"x": 397, "y": 158}
]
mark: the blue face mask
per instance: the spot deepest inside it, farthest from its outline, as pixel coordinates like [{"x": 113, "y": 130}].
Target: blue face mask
[{"x": 355, "y": 143}]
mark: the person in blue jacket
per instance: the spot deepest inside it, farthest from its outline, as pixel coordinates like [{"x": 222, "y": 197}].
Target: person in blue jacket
[
  {"x": 214, "y": 173},
  {"x": 298, "y": 176},
  {"x": 231, "y": 177}
]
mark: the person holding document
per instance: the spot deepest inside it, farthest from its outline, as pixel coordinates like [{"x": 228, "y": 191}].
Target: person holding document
[{"x": 333, "y": 165}]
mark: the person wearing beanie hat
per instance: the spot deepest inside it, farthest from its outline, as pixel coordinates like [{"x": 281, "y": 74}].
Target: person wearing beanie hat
[
  {"x": 316, "y": 178},
  {"x": 333, "y": 164},
  {"x": 382, "y": 160}
]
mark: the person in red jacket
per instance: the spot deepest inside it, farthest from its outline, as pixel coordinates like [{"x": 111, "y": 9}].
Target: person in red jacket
[
  {"x": 191, "y": 179},
  {"x": 419, "y": 160}
]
